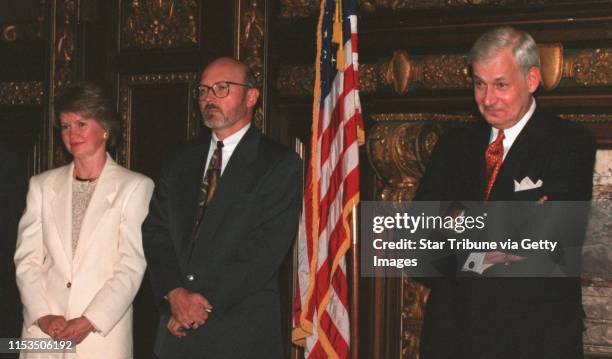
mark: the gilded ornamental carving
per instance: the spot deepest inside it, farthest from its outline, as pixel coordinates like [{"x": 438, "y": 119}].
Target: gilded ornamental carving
[
  {"x": 374, "y": 77},
  {"x": 414, "y": 297},
  {"x": 21, "y": 93},
  {"x": 252, "y": 33},
  {"x": 160, "y": 24},
  {"x": 444, "y": 72},
  {"x": 65, "y": 23},
  {"x": 591, "y": 67},
  {"x": 63, "y": 63},
  {"x": 299, "y": 79},
  {"x": 399, "y": 146},
  {"x": 551, "y": 64}
]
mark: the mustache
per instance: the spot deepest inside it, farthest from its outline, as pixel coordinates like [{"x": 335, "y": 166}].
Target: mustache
[{"x": 211, "y": 106}]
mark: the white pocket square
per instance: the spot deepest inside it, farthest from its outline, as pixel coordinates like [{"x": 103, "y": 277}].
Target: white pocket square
[{"x": 526, "y": 184}]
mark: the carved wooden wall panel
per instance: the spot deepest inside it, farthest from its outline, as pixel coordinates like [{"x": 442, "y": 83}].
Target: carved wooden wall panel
[
  {"x": 160, "y": 24},
  {"x": 157, "y": 112},
  {"x": 583, "y": 68}
]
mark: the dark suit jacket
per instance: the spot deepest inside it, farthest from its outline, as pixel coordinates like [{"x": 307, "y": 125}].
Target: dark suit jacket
[
  {"x": 508, "y": 317},
  {"x": 248, "y": 228}
]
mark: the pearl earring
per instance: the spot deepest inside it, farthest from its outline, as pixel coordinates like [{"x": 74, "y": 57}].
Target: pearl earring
[{"x": 105, "y": 135}]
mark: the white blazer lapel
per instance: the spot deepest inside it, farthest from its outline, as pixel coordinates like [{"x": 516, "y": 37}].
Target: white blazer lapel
[
  {"x": 62, "y": 209},
  {"x": 100, "y": 202}
]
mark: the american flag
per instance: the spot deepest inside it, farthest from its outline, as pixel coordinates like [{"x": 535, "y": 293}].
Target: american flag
[{"x": 321, "y": 308}]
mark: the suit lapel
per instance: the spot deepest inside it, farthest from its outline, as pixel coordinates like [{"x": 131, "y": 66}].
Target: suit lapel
[
  {"x": 522, "y": 152},
  {"x": 101, "y": 200},
  {"x": 62, "y": 208},
  {"x": 475, "y": 161},
  {"x": 192, "y": 170},
  {"x": 233, "y": 183}
]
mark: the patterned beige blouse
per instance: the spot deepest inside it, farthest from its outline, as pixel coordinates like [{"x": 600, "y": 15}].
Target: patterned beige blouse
[{"x": 81, "y": 195}]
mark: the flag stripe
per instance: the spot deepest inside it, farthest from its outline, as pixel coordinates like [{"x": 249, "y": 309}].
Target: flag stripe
[{"x": 321, "y": 319}]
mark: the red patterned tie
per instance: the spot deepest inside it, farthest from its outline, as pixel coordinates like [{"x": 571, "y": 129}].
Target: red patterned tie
[{"x": 494, "y": 156}]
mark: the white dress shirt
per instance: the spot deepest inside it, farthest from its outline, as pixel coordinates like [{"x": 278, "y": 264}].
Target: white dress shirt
[{"x": 229, "y": 145}]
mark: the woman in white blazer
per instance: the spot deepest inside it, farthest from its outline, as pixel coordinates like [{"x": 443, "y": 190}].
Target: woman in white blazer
[{"x": 79, "y": 259}]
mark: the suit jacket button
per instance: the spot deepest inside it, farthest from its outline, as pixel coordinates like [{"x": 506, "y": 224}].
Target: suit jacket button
[
  {"x": 68, "y": 285},
  {"x": 190, "y": 277}
]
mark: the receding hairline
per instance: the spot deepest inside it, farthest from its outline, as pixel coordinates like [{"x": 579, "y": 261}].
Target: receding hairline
[{"x": 244, "y": 69}]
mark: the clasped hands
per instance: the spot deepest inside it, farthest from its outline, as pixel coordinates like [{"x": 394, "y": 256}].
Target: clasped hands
[
  {"x": 58, "y": 328},
  {"x": 189, "y": 309}
]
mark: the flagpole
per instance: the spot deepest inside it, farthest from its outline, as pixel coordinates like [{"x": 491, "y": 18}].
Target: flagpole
[{"x": 354, "y": 317}]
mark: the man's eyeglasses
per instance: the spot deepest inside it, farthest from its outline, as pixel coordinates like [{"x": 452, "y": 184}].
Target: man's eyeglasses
[{"x": 220, "y": 89}]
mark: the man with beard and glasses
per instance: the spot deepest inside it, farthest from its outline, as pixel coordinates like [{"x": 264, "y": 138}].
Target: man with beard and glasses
[{"x": 222, "y": 219}]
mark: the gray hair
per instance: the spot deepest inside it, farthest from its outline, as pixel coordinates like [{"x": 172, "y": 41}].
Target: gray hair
[{"x": 524, "y": 48}]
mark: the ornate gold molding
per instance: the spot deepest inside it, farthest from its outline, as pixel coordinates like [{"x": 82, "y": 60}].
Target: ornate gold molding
[
  {"x": 591, "y": 67},
  {"x": 63, "y": 65},
  {"x": 422, "y": 117},
  {"x": 414, "y": 297},
  {"x": 252, "y": 38},
  {"x": 448, "y": 71},
  {"x": 251, "y": 42},
  {"x": 127, "y": 82},
  {"x": 299, "y": 79},
  {"x": 399, "y": 146},
  {"x": 444, "y": 72},
  {"x": 65, "y": 23},
  {"x": 398, "y": 152},
  {"x": 298, "y": 8},
  {"x": 551, "y": 64},
  {"x": 373, "y": 77},
  {"x": 160, "y": 24},
  {"x": 21, "y": 93}
]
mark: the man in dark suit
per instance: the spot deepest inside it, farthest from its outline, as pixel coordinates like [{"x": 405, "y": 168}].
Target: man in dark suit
[
  {"x": 519, "y": 154},
  {"x": 221, "y": 221}
]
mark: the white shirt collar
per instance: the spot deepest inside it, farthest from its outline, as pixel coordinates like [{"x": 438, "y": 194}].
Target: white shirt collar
[
  {"x": 229, "y": 145},
  {"x": 512, "y": 133},
  {"x": 233, "y": 139}
]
